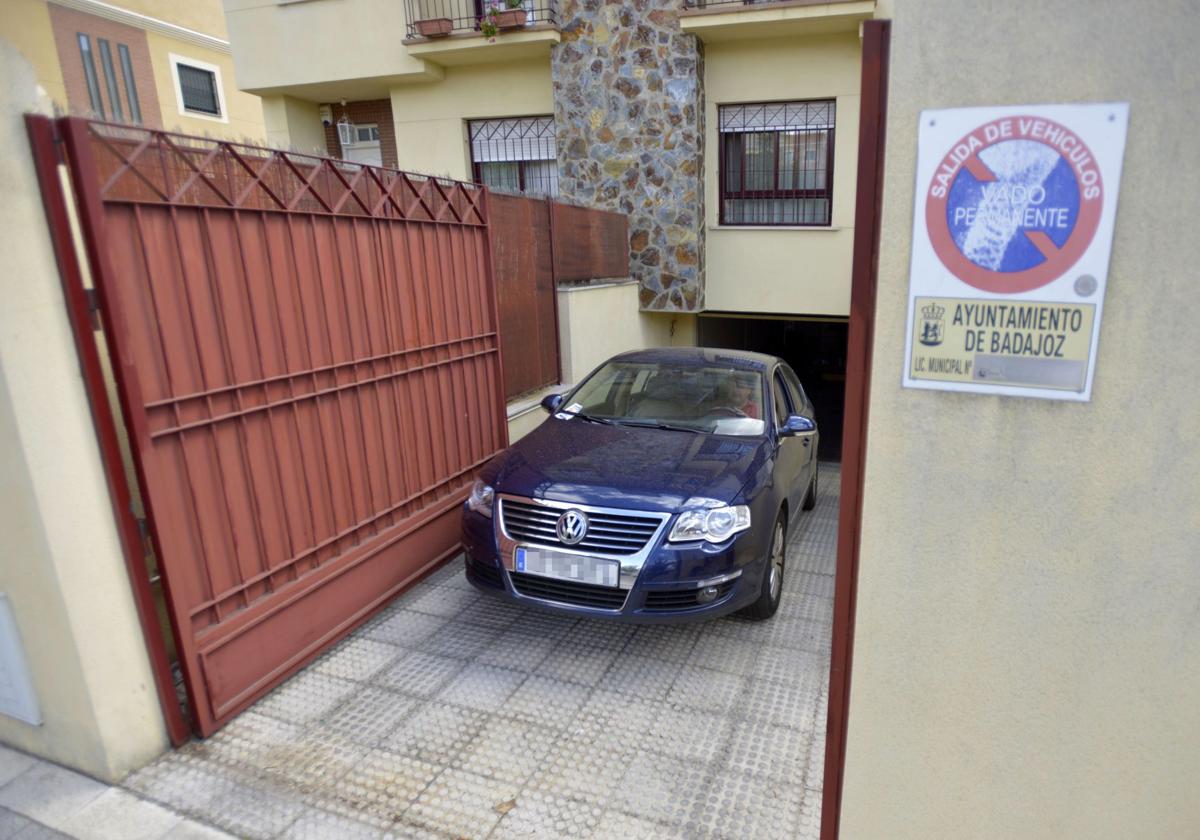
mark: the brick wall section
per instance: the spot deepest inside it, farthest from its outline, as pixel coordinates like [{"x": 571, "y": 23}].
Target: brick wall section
[
  {"x": 378, "y": 111},
  {"x": 67, "y": 24}
]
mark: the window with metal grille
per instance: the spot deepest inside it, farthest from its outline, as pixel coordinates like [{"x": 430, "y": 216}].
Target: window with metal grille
[
  {"x": 110, "y": 79},
  {"x": 198, "y": 87},
  {"x": 516, "y": 154},
  {"x": 776, "y": 163},
  {"x": 135, "y": 108},
  {"x": 89, "y": 74}
]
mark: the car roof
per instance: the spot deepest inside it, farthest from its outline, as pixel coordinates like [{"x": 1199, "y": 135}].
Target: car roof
[{"x": 687, "y": 356}]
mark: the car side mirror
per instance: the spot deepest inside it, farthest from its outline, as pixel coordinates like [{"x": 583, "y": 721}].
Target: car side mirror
[
  {"x": 551, "y": 402},
  {"x": 797, "y": 424}
]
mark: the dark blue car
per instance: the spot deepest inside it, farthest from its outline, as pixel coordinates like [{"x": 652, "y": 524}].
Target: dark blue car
[{"x": 661, "y": 489}]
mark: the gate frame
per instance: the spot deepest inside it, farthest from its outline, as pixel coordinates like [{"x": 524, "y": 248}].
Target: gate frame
[{"x": 46, "y": 143}]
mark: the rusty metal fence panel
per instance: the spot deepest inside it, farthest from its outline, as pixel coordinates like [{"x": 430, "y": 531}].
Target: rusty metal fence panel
[{"x": 308, "y": 359}]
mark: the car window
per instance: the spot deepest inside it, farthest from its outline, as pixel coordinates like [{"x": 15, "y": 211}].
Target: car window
[
  {"x": 799, "y": 398},
  {"x": 703, "y": 397},
  {"x": 782, "y": 406}
]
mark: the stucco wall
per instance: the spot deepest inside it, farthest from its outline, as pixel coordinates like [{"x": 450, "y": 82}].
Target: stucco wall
[
  {"x": 62, "y": 566},
  {"x": 431, "y": 134},
  {"x": 798, "y": 271},
  {"x": 1027, "y": 646}
]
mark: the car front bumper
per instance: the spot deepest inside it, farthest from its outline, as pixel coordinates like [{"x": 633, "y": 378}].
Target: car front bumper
[{"x": 663, "y": 592}]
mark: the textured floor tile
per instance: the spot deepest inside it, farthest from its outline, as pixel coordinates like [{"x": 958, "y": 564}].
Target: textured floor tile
[
  {"x": 615, "y": 825},
  {"x": 686, "y": 734},
  {"x": 706, "y": 689},
  {"x": 409, "y": 629},
  {"x": 790, "y": 665},
  {"x": 314, "y": 824},
  {"x": 781, "y": 704},
  {"x": 737, "y": 806},
  {"x": 543, "y": 625},
  {"x": 49, "y": 794},
  {"x": 461, "y": 804},
  {"x": 191, "y": 830},
  {"x": 516, "y": 650},
  {"x": 543, "y": 816},
  {"x": 642, "y": 677},
  {"x": 314, "y": 764},
  {"x": 13, "y": 764},
  {"x": 380, "y": 788},
  {"x": 809, "y": 827},
  {"x": 305, "y": 697},
  {"x": 370, "y": 715},
  {"x": 358, "y": 658},
  {"x": 671, "y": 643},
  {"x": 613, "y": 721},
  {"x": 119, "y": 815},
  {"x": 253, "y": 812},
  {"x": 663, "y": 789},
  {"x": 763, "y": 749},
  {"x": 546, "y": 702},
  {"x": 506, "y": 748},
  {"x": 437, "y": 733},
  {"x": 460, "y": 640},
  {"x": 421, "y": 674},
  {"x": 482, "y": 687},
  {"x": 577, "y": 769},
  {"x": 593, "y": 632},
  {"x": 728, "y": 653},
  {"x": 447, "y": 601},
  {"x": 251, "y": 741},
  {"x": 583, "y": 665},
  {"x": 492, "y": 612},
  {"x": 184, "y": 783}
]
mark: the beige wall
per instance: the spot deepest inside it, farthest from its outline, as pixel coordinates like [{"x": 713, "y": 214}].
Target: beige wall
[
  {"x": 799, "y": 271},
  {"x": 431, "y": 119},
  {"x": 62, "y": 565},
  {"x": 25, "y": 27},
  {"x": 1027, "y": 643},
  {"x": 294, "y": 124}
]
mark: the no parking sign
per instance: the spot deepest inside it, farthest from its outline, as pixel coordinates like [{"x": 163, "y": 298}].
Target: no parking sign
[{"x": 1012, "y": 234}]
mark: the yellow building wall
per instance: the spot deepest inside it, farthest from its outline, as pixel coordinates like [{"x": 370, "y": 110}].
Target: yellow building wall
[
  {"x": 431, "y": 133},
  {"x": 1027, "y": 640},
  {"x": 61, "y": 564},
  {"x": 243, "y": 118},
  {"x": 791, "y": 270},
  {"x": 207, "y": 16},
  {"x": 25, "y": 27}
]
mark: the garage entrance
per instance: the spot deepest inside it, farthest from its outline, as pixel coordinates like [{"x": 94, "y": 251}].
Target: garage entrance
[{"x": 815, "y": 347}]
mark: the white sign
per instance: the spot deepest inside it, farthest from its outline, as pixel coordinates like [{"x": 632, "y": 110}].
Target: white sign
[{"x": 1012, "y": 233}]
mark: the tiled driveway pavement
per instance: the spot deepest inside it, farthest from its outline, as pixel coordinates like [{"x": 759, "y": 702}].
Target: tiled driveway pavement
[{"x": 449, "y": 706}]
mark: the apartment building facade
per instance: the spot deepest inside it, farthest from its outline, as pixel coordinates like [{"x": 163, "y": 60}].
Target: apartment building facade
[
  {"x": 156, "y": 63},
  {"x": 726, "y": 131}
]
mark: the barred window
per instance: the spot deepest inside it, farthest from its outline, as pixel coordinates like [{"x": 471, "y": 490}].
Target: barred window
[
  {"x": 89, "y": 74},
  {"x": 776, "y": 163},
  {"x": 198, "y": 87},
  {"x": 517, "y": 154}
]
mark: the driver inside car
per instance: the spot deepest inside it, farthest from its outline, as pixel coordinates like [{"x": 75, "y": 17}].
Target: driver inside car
[{"x": 742, "y": 397}]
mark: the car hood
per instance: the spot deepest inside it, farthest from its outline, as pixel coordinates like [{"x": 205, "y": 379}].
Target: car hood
[{"x": 619, "y": 466}]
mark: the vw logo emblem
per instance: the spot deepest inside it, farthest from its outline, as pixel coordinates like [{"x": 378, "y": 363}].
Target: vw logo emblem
[{"x": 572, "y": 527}]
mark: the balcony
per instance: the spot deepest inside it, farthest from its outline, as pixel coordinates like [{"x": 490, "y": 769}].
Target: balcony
[
  {"x": 714, "y": 21},
  {"x": 457, "y": 32}
]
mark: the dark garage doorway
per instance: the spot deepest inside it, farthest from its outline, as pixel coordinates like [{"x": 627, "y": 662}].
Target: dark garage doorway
[{"x": 815, "y": 347}]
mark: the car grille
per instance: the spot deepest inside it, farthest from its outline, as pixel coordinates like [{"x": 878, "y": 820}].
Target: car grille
[
  {"x": 485, "y": 574},
  {"x": 608, "y": 533},
  {"x": 568, "y": 592},
  {"x": 682, "y": 599}
]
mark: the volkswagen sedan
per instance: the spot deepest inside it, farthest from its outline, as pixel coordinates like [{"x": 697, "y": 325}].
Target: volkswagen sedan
[{"x": 662, "y": 488}]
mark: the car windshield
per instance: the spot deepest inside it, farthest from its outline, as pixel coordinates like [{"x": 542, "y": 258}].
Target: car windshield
[{"x": 710, "y": 399}]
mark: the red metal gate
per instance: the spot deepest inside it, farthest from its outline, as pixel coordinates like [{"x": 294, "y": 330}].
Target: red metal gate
[{"x": 308, "y": 363}]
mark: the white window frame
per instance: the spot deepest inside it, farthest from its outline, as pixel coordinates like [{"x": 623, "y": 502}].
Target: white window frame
[{"x": 176, "y": 60}]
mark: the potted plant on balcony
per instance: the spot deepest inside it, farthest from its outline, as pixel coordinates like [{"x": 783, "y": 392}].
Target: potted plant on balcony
[
  {"x": 434, "y": 27},
  {"x": 510, "y": 14}
]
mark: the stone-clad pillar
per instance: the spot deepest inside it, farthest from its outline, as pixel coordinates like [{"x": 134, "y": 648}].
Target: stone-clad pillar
[{"x": 629, "y": 110}]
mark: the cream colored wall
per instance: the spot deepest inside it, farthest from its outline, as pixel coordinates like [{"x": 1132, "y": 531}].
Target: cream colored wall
[
  {"x": 280, "y": 45},
  {"x": 244, "y": 111},
  {"x": 62, "y": 564},
  {"x": 430, "y": 119},
  {"x": 292, "y": 123},
  {"x": 25, "y": 26},
  {"x": 1027, "y": 641},
  {"x": 800, "y": 271},
  {"x": 207, "y": 16}
]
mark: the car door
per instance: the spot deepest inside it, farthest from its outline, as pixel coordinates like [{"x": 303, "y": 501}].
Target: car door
[
  {"x": 791, "y": 468},
  {"x": 804, "y": 407}
]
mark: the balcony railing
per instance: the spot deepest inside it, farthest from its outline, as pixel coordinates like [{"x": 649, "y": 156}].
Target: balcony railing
[{"x": 440, "y": 18}]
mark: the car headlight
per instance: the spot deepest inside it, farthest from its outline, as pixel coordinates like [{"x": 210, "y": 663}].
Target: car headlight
[
  {"x": 715, "y": 524},
  {"x": 481, "y": 498}
]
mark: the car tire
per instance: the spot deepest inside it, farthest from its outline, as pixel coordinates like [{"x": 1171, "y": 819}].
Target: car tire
[
  {"x": 810, "y": 501},
  {"x": 771, "y": 590}
]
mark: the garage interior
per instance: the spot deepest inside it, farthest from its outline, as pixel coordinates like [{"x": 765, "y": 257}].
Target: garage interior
[{"x": 815, "y": 347}]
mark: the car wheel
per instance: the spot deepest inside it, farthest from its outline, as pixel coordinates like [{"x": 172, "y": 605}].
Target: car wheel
[
  {"x": 772, "y": 579},
  {"x": 810, "y": 501}
]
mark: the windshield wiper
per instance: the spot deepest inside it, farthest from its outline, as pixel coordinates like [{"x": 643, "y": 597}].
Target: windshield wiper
[
  {"x": 655, "y": 424},
  {"x": 589, "y": 418}
]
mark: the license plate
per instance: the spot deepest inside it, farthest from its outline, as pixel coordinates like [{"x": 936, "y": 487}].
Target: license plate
[{"x": 577, "y": 567}]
